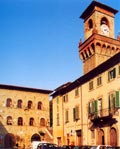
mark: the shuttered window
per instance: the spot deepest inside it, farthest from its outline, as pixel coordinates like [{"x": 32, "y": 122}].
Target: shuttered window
[
  {"x": 112, "y": 102},
  {"x": 89, "y": 110},
  {"x": 119, "y": 70},
  {"x": 65, "y": 98},
  {"x": 75, "y": 113},
  {"x": 112, "y": 74},
  {"x": 66, "y": 116},
  {"x": 95, "y": 107},
  {"x": 117, "y": 103}
]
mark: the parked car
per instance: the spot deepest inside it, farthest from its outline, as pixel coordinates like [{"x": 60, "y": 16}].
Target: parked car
[
  {"x": 47, "y": 146},
  {"x": 82, "y": 147},
  {"x": 67, "y": 147},
  {"x": 86, "y": 147},
  {"x": 77, "y": 147},
  {"x": 101, "y": 147}
]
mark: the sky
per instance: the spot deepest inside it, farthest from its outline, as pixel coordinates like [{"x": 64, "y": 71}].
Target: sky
[{"x": 39, "y": 41}]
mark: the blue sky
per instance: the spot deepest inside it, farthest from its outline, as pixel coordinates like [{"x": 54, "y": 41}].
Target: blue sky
[{"x": 39, "y": 41}]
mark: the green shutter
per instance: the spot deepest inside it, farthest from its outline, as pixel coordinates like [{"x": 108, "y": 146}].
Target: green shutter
[
  {"x": 109, "y": 102},
  {"x": 114, "y": 73},
  {"x": 77, "y": 112},
  {"x": 89, "y": 110},
  {"x": 95, "y": 107},
  {"x": 117, "y": 102},
  {"x": 73, "y": 114},
  {"x": 109, "y": 76}
]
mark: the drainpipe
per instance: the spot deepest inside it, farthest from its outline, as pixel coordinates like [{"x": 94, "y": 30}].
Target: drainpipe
[
  {"x": 63, "y": 121},
  {"x": 81, "y": 117}
]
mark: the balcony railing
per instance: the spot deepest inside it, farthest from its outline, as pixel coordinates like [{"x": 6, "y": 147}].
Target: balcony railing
[{"x": 102, "y": 113}]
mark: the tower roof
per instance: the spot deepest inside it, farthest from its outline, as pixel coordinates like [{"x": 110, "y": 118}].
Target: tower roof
[{"x": 91, "y": 7}]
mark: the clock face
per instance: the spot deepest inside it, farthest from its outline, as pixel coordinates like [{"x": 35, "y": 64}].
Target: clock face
[{"x": 105, "y": 29}]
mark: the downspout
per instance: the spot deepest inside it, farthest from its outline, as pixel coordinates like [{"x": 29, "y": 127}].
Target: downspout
[
  {"x": 81, "y": 117},
  {"x": 63, "y": 121}
]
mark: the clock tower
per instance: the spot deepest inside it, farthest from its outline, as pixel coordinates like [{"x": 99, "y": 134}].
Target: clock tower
[{"x": 99, "y": 44}]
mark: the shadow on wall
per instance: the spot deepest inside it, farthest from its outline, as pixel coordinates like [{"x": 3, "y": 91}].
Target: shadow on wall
[{"x": 7, "y": 140}]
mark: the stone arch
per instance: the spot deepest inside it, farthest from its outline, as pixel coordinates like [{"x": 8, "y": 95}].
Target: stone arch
[
  {"x": 108, "y": 50},
  {"x": 90, "y": 24},
  {"x": 113, "y": 136},
  {"x": 98, "y": 44},
  {"x": 35, "y": 137},
  {"x": 98, "y": 47},
  {"x": 9, "y": 140},
  {"x": 113, "y": 50},
  {"x": 117, "y": 49},
  {"x": 103, "y": 46},
  {"x": 100, "y": 137},
  {"x": 105, "y": 21},
  {"x": 92, "y": 48},
  {"x": 104, "y": 49}
]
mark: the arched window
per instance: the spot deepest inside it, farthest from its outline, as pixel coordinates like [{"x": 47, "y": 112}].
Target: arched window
[
  {"x": 20, "y": 121},
  {"x": 42, "y": 122},
  {"x": 31, "y": 121},
  {"x": 104, "y": 21},
  {"x": 19, "y": 103},
  {"x": 90, "y": 24},
  {"x": 39, "y": 105},
  {"x": 29, "y": 104},
  {"x": 9, "y": 102},
  {"x": 9, "y": 120}
]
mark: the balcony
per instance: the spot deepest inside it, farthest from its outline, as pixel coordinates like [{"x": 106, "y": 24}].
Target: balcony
[{"x": 103, "y": 118}]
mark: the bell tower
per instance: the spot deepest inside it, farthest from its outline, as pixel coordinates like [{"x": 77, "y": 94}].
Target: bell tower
[{"x": 99, "y": 44}]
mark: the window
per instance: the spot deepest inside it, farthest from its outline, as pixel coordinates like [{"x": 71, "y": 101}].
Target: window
[
  {"x": 114, "y": 101},
  {"x": 57, "y": 100},
  {"x": 9, "y": 120},
  {"x": 104, "y": 21},
  {"x": 93, "y": 108},
  {"x": 117, "y": 103},
  {"x": 39, "y": 105},
  {"x": 90, "y": 85},
  {"x": 31, "y": 121},
  {"x": 111, "y": 102},
  {"x": 65, "y": 98},
  {"x": 75, "y": 113},
  {"x": 90, "y": 24},
  {"x": 119, "y": 70},
  {"x": 66, "y": 116},
  {"x": 29, "y": 104},
  {"x": 9, "y": 102},
  {"x": 77, "y": 92},
  {"x": 111, "y": 74},
  {"x": 42, "y": 122},
  {"x": 58, "y": 120},
  {"x": 99, "y": 81},
  {"x": 20, "y": 121},
  {"x": 100, "y": 107},
  {"x": 19, "y": 103}
]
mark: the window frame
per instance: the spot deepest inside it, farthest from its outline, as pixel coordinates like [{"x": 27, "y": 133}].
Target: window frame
[
  {"x": 91, "y": 85},
  {"x": 111, "y": 74},
  {"x": 76, "y": 115},
  {"x": 99, "y": 80}
]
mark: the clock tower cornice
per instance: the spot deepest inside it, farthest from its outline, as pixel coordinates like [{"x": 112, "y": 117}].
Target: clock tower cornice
[{"x": 87, "y": 48}]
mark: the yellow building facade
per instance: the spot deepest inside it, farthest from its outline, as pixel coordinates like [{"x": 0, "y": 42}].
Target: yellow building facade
[
  {"x": 87, "y": 110},
  {"x": 24, "y": 116}
]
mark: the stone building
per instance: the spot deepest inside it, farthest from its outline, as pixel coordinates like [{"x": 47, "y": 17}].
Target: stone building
[
  {"x": 87, "y": 110},
  {"x": 24, "y": 116}
]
